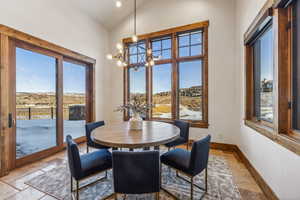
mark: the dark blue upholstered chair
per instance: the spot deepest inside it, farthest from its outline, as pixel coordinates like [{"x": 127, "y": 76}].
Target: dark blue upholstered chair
[
  {"x": 184, "y": 134},
  {"x": 189, "y": 163},
  {"x": 89, "y": 127},
  {"x": 84, "y": 166},
  {"x": 136, "y": 172}
]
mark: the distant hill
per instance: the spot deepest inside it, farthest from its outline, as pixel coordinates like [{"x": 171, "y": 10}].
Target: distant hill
[
  {"x": 25, "y": 99},
  {"x": 195, "y": 91}
]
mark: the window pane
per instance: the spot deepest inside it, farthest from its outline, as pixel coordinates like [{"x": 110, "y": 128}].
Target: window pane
[
  {"x": 166, "y": 54},
  {"x": 132, "y": 49},
  {"x": 263, "y": 70},
  {"x": 156, "y": 53},
  {"x": 137, "y": 84},
  {"x": 162, "y": 91},
  {"x": 190, "y": 90},
  {"x": 196, "y": 38},
  {"x": 184, "y": 51},
  {"x": 156, "y": 45},
  {"x": 141, "y": 58},
  {"x": 35, "y": 102},
  {"x": 196, "y": 50},
  {"x": 184, "y": 40},
  {"x": 141, "y": 48},
  {"x": 133, "y": 59},
  {"x": 296, "y": 68},
  {"x": 74, "y": 104},
  {"x": 166, "y": 44}
]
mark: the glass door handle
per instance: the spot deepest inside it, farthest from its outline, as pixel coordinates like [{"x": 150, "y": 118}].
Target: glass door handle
[{"x": 11, "y": 121}]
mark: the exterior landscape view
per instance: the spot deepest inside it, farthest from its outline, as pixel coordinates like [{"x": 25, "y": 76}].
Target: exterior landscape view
[
  {"x": 36, "y": 120},
  {"x": 190, "y": 103},
  {"x": 190, "y": 90},
  {"x": 36, "y": 101}
]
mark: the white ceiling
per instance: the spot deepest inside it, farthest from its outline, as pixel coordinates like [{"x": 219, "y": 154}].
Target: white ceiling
[{"x": 105, "y": 11}]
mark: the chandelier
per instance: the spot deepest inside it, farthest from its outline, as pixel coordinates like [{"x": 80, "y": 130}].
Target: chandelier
[{"x": 122, "y": 55}]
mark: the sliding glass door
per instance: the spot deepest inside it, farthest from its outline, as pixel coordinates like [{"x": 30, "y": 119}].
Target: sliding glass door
[
  {"x": 74, "y": 100},
  {"x": 35, "y": 102},
  {"x": 52, "y": 98}
]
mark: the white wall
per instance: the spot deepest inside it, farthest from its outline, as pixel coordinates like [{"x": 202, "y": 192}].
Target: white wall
[
  {"x": 58, "y": 22},
  {"x": 158, "y": 15},
  {"x": 278, "y": 166}
]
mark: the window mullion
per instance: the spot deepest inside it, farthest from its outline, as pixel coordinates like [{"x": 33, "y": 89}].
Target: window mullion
[
  {"x": 175, "y": 81},
  {"x": 148, "y": 80}
]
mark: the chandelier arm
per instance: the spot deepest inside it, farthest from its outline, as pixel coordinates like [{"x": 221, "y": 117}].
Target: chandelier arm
[{"x": 134, "y": 17}]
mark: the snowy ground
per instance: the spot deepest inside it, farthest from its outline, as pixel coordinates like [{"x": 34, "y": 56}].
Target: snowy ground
[
  {"x": 184, "y": 112},
  {"x": 39, "y": 134}
]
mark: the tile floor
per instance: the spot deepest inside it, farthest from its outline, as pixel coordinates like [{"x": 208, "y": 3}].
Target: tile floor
[{"x": 12, "y": 187}]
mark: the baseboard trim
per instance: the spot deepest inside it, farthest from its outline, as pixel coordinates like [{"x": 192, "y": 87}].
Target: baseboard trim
[
  {"x": 222, "y": 146},
  {"x": 258, "y": 178},
  {"x": 269, "y": 193}
]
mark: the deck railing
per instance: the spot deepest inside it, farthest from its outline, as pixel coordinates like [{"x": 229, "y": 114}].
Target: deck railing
[{"x": 30, "y": 113}]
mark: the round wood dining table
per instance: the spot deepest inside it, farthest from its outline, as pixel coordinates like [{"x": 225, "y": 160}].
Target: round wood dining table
[{"x": 119, "y": 135}]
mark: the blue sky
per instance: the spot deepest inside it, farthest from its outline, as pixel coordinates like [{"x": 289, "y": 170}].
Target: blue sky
[
  {"x": 37, "y": 73},
  {"x": 267, "y": 55},
  {"x": 162, "y": 78}
]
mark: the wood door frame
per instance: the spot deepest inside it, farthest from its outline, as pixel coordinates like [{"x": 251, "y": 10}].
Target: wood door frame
[{"x": 9, "y": 40}]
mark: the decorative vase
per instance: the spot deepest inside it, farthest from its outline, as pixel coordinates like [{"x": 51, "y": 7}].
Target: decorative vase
[{"x": 136, "y": 122}]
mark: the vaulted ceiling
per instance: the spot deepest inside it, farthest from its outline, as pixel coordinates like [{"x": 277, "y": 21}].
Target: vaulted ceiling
[{"x": 105, "y": 11}]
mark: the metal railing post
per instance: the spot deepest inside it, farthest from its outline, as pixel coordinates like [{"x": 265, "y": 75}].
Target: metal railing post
[{"x": 29, "y": 113}]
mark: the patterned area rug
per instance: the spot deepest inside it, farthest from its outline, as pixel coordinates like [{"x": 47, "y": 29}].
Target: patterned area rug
[{"x": 56, "y": 183}]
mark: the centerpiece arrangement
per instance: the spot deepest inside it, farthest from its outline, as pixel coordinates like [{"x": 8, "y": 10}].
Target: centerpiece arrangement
[{"x": 137, "y": 107}]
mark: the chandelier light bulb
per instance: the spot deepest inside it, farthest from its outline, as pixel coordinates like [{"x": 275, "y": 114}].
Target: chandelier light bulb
[
  {"x": 134, "y": 38},
  {"x": 146, "y": 64},
  {"x": 119, "y": 4},
  {"x": 119, "y": 46},
  {"x": 109, "y": 56},
  {"x": 119, "y": 63},
  {"x": 124, "y": 64},
  {"x": 152, "y": 62},
  {"x": 149, "y": 51}
]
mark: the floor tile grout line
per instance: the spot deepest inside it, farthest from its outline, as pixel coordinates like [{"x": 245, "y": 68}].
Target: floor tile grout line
[
  {"x": 43, "y": 192},
  {"x": 42, "y": 196},
  {"x": 4, "y": 182}
]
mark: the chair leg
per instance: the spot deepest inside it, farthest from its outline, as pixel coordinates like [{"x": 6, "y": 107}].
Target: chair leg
[
  {"x": 77, "y": 190},
  {"x": 205, "y": 179},
  {"x": 106, "y": 174},
  {"x": 157, "y": 196},
  {"x": 187, "y": 146},
  {"x": 192, "y": 187},
  {"x": 131, "y": 149},
  {"x": 87, "y": 148},
  {"x": 71, "y": 184}
]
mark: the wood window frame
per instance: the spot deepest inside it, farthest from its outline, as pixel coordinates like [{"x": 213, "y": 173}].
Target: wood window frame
[
  {"x": 9, "y": 40},
  {"x": 287, "y": 136},
  {"x": 260, "y": 25},
  {"x": 174, "y": 62},
  {"x": 282, "y": 132}
]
